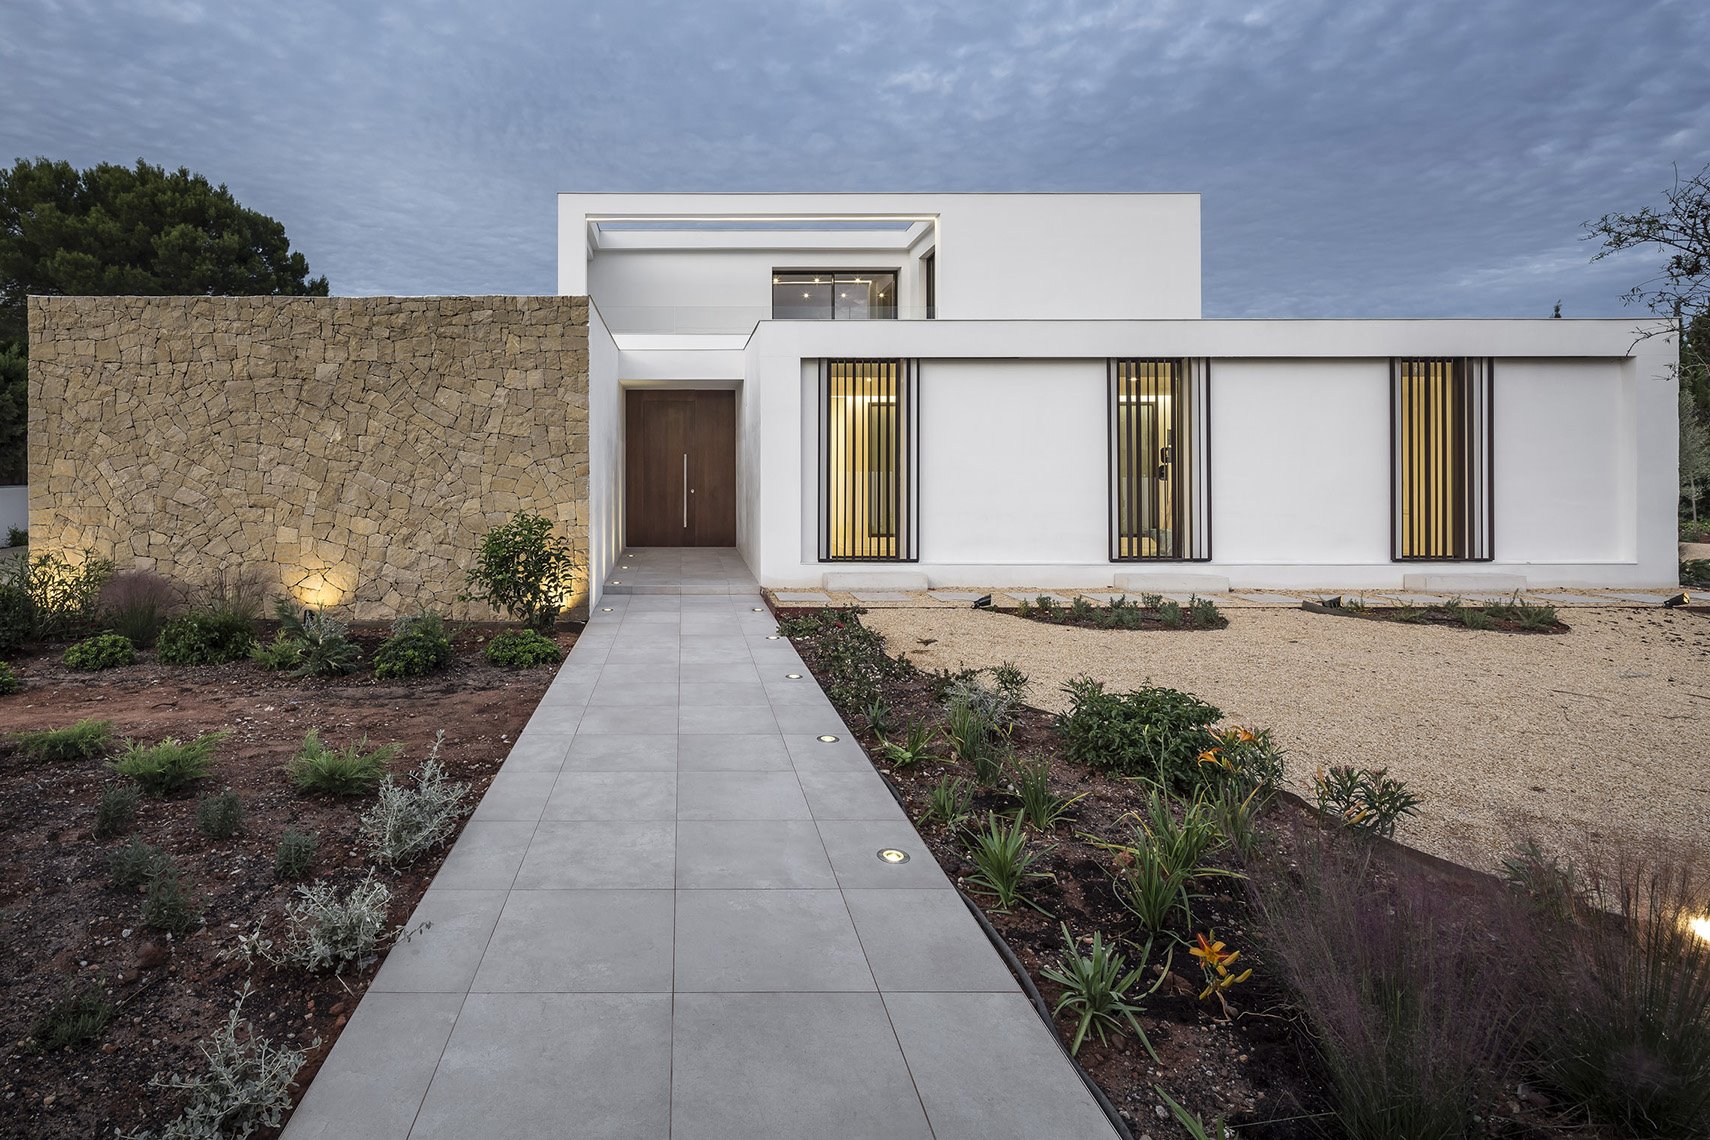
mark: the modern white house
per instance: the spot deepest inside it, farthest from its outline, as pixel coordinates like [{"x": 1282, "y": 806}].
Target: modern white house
[{"x": 1019, "y": 389}]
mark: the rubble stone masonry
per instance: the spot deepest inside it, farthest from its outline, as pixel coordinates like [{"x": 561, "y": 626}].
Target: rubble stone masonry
[{"x": 349, "y": 451}]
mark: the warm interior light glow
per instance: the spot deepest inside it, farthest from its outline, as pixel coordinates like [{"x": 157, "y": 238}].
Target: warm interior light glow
[{"x": 1700, "y": 926}]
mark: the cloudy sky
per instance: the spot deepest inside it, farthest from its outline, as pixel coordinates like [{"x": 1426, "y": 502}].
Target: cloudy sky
[{"x": 1356, "y": 157}]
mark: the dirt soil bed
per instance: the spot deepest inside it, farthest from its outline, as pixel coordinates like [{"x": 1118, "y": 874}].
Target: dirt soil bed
[
  {"x": 1255, "y": 1069},
  {"x": 1599, "y": 732},
  {"x": 60, "y": 921},
  {"x": 1447, "y": 616}
]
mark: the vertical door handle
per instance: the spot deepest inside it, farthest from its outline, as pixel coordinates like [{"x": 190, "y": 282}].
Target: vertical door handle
[{"x": 685, "y": 490}]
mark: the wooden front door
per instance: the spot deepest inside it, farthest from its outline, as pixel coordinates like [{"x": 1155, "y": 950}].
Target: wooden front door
[{"x": 680, "y": 468}]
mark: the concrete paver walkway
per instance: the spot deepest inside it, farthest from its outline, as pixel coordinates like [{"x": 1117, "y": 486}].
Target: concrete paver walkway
[{"x": 668, "y": 918}]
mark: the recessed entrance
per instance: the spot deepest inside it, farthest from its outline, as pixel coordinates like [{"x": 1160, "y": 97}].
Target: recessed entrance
[{"x": 680, "y": 468}]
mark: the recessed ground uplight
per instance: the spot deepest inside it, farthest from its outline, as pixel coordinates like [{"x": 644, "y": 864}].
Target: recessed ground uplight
[
  {"x": 605, "y": 609},
  {"x": 828, "y": 740},
  {"x": 892, "y": 855},
  {"x": 793, "y": 676},
  {"x": 759, "y": 609},
  {"x": 771, "y": 637}
]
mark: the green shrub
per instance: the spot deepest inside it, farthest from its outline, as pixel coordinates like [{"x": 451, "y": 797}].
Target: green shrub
[
  {"x": 220, "y": 815},
  {"x": 77, "y": 1018},
  {"x": 313, "y": 645},
  {"x": 1695, "y": 573},
  {"x": 1040, "y": 805},
  {"x": 1204, "y": 614},
  {"x": 352, "y": 771},
  {"x": 1526, "y": 615},
  {"x": 116, "y": 811},
  {"x": 917, "y": 746},
  {"x": 1365, "y": 799},
  {"x": 17, "y": 536},
  {"x": 1164, "y": 858},
  {"x": 280, "y": 655},
  {"x": 1096, "y": 989},
  {"x": 1151, "y": 731},
  {"x": 295, "y": 854},
  {"x": 163, "y": 768},
  {"x": 171, "y": 904},
  {"x": 9, "y": 682},
  {"x": 852, "y": 660},
  {"x": 326, "y": 930},
  {"x": 103, "y": 651},
  {"x": 419, "y": 645},
  {"x": 1246, "y": 760},
  {"x": 206, "y": 637},
  {"x": 48, "y": 596},
  {"x": 135, "y": 604},
  {"x": 951, "y": 801},
  {"x": 522, "y": 649},
  {"x": 410, "y": 818},
  {"x": 84, "y": 740},
  {"x": 1003, "y": 862},
  {"x": 246, "y": 1086},
  {"x": 525, "y": 570},
  {"x": 134, "y": 864}
]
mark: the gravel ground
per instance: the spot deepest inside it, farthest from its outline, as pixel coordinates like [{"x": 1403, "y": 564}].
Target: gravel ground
[{"x": 1601, "y": 731}]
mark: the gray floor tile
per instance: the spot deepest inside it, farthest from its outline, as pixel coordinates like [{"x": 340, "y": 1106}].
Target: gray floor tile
[
  {"x": 741, "y": 1064},
  {"x": 925, "y": 940},
  {"x": 751, "y": 855},
  {"x": 644, "y": 653},
  {"x": 538, "y": 752},
  {"x": 853, "y": 847},
  {"x": 651, "y": 617},
  {"x": 716, "y": 672},
  {"x": 778, "y": 941},
  {"x": 723, "y": 694},
  {"x": 729, "y": 719},
  {"x": 572, "y": 691},
  {"x": 624, "y": 720},
  {"x": 740, "y": 795},
  {"x": 849, "y": 795},
  {"x": 613, "y": 795},
  {"x": 651, "y": 693},
  {"x": 705, "y": 624},
  {"x": 715, "y": 648},
  {"x": 555, "y": 718},
  {"x": 442, "y": 958},
  {"x": 515, "y": 796},
  {"x": 598, "y": 853},
  {"x": 621, "y": 752},
  {"x": 637, "y": 674},
  {"x": 603, "y": 941},
  {"x": 732, "y": 752},
  {"x": 811, "y": 754},
  {"x": 808, "y": 719},
  {"x": 486, "y": 855},
  {"x": 594, "y": 1065},
  {"x": 373, "y": 1080},
  {"x": 987, "y": 1069}
]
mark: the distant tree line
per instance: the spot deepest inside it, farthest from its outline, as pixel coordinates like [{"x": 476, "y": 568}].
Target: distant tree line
[{"x": 122, "y": 230}]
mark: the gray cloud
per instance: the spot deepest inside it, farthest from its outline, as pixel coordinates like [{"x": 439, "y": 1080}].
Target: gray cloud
[{"x": 1376, "y": 158}]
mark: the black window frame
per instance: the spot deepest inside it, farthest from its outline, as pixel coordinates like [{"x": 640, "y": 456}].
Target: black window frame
[
  {"x": 1462, "y": 524},
  {"x": 894, "y": 272},
  {"x": 1190, "y": 457}
]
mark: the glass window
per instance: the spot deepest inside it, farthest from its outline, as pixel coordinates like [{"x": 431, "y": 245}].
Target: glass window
[
  {"x": 867, "y": 444},
  {"x": 844, "y": 295},
  {"x": 1441, "y": 456},
  {"x": 1160, "y": 454}
]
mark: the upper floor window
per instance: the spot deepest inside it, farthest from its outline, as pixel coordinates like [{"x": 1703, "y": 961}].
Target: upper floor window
[{"x": 834, "y": 294}]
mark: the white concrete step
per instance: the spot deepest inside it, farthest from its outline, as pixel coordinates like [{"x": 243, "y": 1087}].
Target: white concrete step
[{"x": 1165, "y": 582}]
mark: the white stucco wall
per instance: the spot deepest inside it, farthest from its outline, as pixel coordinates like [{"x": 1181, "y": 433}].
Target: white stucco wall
[
  {"x": 1013, "y": 451},
  {"x": 999, "y": 256},
  {"x": 605, "y": 455}
]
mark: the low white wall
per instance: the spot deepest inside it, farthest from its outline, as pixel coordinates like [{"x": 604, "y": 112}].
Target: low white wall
[
  {"x": 1300, "y": 461},
  {"x": 605, "y": 455},
  {"x": 14, "y": 509},
  {"x": 1013, "y": 452}
]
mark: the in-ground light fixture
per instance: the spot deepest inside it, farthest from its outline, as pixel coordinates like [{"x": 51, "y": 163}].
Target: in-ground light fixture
[
  {"x": 892, "y": 855},
  {"x": 828, "y": 739},
  {"x": 793, "y": 676}
]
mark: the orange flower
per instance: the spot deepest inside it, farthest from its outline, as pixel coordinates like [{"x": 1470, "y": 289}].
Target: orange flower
[
  {"x": 1210, "y": 952},
  {"x": 1211, "y": 756},
  {"x": 1243, "y": 736}
]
